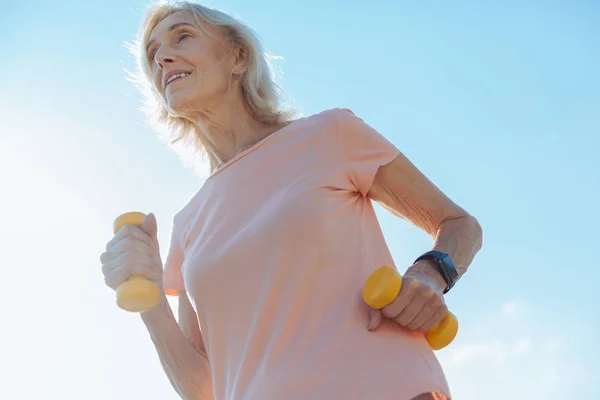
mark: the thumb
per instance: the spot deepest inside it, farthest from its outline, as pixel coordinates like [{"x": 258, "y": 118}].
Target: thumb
[
  {"x": 375, "y": 319},
  {"x": 150, "y": 227}
]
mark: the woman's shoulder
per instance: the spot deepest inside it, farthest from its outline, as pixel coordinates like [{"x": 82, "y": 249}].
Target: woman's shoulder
[
  {"x": 322, "y": 122},
  {"x": 330, "y": 114}
]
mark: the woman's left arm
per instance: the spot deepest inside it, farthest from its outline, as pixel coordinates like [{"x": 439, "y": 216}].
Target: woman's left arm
[{"x": 401, "y": 188}]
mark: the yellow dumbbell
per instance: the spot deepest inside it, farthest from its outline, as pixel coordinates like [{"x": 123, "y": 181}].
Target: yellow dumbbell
[
  {"x": 383, "y": 286},
  {"x": 137, "y": 294}
]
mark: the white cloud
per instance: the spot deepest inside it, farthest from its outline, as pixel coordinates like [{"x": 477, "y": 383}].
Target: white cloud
[
  {"x": 513, "y": 307},
  {"x": 492, "y": 351},
  {"x": 522, "y": 346},
  {"x": 513, "y": 355}
]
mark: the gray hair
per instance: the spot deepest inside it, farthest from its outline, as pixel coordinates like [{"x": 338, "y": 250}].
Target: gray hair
[{"x": 259, "y": 89}]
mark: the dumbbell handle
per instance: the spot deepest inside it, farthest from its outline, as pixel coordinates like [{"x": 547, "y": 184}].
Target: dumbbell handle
[
  {"x": 137, "y": 294},
  {"x": 383, "y": 286}
]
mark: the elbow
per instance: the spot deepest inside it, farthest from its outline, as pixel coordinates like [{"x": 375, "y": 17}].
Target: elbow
[
  {"x": 190, "y": 377},
  {"x": 469, "y": 228},
  {"x": 197, "y": 385},
  {"x": 477, "y": 232},
  {"x": 197, "y": 388}
]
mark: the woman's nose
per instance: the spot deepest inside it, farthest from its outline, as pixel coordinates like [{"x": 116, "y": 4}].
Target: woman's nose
[{"x": 164, "y": 57}]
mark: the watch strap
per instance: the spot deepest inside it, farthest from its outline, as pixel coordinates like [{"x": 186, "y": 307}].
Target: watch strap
[{"x": 444, "y": 265}]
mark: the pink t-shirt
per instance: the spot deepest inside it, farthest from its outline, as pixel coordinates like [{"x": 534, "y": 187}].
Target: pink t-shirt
[{"x": 273, "y": 251}]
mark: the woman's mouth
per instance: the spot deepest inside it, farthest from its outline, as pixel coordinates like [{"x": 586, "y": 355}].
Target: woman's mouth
[{"x": 176, "y": 77}]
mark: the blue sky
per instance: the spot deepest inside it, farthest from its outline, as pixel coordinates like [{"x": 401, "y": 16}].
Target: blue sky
[{"x": 496, "y": 102}]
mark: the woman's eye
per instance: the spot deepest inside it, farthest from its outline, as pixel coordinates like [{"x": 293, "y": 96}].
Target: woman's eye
[
  {"x": 183, "y": 36},
  {"x": 151, "y": 55}
]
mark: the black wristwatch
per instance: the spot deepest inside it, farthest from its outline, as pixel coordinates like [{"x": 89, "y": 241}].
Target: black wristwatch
[{"x": 445, "y": 266}]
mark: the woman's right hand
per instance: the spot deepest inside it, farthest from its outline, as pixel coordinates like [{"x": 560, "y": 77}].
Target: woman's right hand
[{"x": 133, "y": 251}]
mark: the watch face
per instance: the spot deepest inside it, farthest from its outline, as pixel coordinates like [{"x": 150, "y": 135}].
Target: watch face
[{"x": 449, "y": 266}]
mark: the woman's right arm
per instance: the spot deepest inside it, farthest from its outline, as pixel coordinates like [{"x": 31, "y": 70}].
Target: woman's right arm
[
  {"x": 135, "y": 251},
  {"x": 182, "y": 355}
]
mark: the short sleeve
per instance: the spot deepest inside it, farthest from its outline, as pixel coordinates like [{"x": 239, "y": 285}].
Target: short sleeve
[
  {"x": 363, "y": 150},
  {"x": 172, "y": 278}
]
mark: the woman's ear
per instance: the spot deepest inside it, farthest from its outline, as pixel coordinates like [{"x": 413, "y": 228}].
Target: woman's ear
[{"x": 240, "y": 64}]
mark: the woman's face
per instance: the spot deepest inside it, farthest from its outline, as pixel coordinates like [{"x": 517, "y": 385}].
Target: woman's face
[{"x": 192, "y": 70}]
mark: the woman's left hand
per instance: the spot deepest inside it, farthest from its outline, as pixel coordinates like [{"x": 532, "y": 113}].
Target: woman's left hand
[{"x": 420, "y": 304}]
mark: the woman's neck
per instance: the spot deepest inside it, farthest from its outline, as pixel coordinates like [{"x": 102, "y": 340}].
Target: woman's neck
[{"x": 230, "y": 129}]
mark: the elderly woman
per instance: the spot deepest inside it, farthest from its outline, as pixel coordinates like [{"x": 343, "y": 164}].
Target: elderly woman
[{"x": 269, "y": 256}]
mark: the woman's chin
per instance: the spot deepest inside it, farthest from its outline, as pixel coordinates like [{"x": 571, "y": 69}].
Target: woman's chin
[{"x": 178, "y": 104}]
